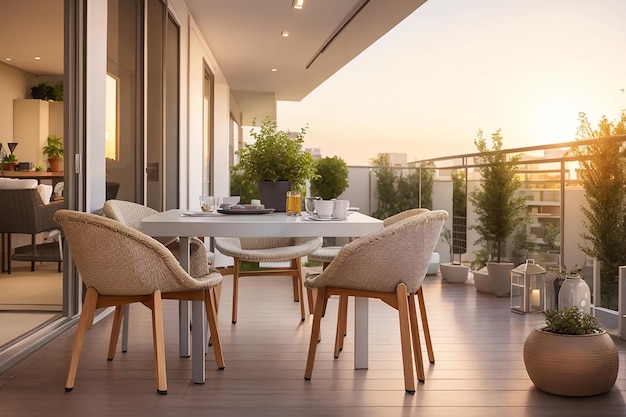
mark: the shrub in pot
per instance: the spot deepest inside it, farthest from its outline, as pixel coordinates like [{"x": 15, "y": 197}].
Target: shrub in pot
[
  {"x": 332, "y": 178},
  {"x": 571, "y": 355},
  {"x": 275, "y": 159},
  {"x": 498, "y": 210}
]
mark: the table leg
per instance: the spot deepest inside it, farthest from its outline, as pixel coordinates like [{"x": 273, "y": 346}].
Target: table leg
[
  {"x": 198, "y": 325},
  {"x": 361, "y": 347},
  {"x": 184, "y": 340}
]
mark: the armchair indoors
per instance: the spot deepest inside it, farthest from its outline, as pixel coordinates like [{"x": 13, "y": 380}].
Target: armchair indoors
[
  {"x": 389, "y": 265},
  {"x": 25, "y": 208},
  {"x": 120, "y": 265},
  {"x": 272, "y": 249}
]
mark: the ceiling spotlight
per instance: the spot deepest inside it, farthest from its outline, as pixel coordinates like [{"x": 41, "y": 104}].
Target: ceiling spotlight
[
  {"x": 274, "y": 69},
  {"x": 284, "y": 34},
  {"x": 37, "y": 58},
  {"x": 7, "y": 59},
  {"x": 297, "y": 4}
]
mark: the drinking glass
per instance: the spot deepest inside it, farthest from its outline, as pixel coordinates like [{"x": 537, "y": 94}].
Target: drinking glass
[
  {"x": 207, "y": 203},
  {"x": 293, "y": 203}
]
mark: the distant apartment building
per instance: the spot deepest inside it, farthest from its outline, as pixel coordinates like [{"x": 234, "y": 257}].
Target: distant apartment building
[
  {"x": 316, "y": 153},
  {"x": 395, "y": 159}
]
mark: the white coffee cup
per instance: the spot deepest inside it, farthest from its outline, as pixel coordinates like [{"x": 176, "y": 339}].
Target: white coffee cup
[
  {"x": 340, "y": 209},
  {"x": 324, "y": 208}
]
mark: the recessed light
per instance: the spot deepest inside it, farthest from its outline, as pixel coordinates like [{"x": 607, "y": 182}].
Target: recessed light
[
  {"x": 274, "y": 69},
  {"x": 284, "y": 34},
  {"x": 37, "y": 58},
  {"x": 7, "y": 59},
  {"x": 297, "y": 4}
]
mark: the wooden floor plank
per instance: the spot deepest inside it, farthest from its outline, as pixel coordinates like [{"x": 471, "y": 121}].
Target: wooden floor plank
[{"x": 477, "y": 341}]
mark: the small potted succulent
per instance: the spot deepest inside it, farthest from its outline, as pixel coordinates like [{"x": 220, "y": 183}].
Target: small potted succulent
[{"x": 571, "y": 355}]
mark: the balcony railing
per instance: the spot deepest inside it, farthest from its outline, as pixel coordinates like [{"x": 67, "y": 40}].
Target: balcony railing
[{"x": 555, "y": 195}]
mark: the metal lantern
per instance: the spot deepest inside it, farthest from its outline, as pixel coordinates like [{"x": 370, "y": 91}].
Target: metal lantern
[{"x": 528, "y": 288}]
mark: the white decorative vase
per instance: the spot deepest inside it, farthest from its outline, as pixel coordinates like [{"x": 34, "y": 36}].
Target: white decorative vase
[{"x": 575, "y": 292}]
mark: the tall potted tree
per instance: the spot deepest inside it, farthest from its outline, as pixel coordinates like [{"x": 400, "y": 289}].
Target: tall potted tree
[
  {"x": 603, "y": 175},
  {"x": 498, "y": 210},
  {"x": 276, "y": 162}
]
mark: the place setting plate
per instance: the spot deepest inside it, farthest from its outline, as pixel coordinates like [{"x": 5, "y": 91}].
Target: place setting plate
[
  {"x": 199, "y": 214},
  {"x": 245, "y": 210}
]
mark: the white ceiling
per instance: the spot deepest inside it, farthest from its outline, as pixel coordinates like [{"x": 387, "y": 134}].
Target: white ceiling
[{"x": 244, "y": 36}]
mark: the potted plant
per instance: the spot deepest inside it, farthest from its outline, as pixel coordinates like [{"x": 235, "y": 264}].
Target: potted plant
[
  {"x": 54, "y": 151},
  {"x": 571, "y": 355},
  {"x": 453, "y": 271},
  {"x": 42, "y": 91},
  {"x": 602, "y": 174},
  {"x": 276, "y": 162},
  {"x": 498, "y": 210},
  {"x": 332, "y": 178},
  {"x": 9, "y": 162}
]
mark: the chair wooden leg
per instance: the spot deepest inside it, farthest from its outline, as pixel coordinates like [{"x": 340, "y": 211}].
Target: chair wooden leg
[
  {"x": 217, "y": 294},
  {"x": 405, "y": 337},
  {"x": 297, "y": 263},
  {"x": 311, "y": 295},
  {"x": 415, "y": 336},
  {"x": 89, "y": 306},
  {"x": 235, "y": 289},
  {"x": 159, "y": 342},
  {"x": 294, "y": 282},
  {"x": 342, "y": 324},
  {"x": 429, "y": 343},
  {"x": 125, "y": 324},
  {"x": 211, "y": 314},
  {"x": 8, "y": 253},
  {"x": 315, "y": 331},
  {"x": 115, "y": 330}
]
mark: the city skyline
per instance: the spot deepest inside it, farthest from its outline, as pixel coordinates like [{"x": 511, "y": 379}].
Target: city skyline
[{"x": 452, "y": 68}]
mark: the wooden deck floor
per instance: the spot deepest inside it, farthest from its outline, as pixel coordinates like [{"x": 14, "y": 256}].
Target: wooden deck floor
[{"x": 479, "y": 370}]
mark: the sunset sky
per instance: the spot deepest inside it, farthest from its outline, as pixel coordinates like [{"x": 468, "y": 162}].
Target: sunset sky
[{"x": 456, "y": 66}]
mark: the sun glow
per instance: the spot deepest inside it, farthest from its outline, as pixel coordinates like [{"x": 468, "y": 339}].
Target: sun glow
[{"x": 555, "y": 121}]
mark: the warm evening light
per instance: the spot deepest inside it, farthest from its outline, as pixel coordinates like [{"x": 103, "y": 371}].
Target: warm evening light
[{"x": 554, "y": 121}]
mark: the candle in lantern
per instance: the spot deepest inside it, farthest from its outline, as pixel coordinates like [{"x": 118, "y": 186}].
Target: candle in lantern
[{"x": 534, "y": 298}]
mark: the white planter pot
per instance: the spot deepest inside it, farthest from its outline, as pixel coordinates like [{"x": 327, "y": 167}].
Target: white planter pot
[
  {"x": 500, "y": 274},
  {"x": 482, "y": 282},
  {"x": 454, "y": 273}
]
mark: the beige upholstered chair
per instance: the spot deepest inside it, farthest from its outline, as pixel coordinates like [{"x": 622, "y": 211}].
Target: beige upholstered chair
[
  {"x": 131, "y": 214},
  {"x": 389, "y": 265},
  {"x": 120, "y": 265},
  {"x": 326, "y": 256},
  {"x": 272, "y": 249}
]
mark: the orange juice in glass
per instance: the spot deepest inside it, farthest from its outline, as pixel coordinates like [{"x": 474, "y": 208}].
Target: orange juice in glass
[{"x": 294, "y": 203}]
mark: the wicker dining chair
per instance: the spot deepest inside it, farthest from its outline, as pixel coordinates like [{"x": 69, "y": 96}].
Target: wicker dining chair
[
  {"x": 390, "y": 265},
  {"x": 270, "y": 249},
  {"x": 326, "y": 256},
  {"x": 120, "y": 265},
  {"x": 131, "y": 214}
]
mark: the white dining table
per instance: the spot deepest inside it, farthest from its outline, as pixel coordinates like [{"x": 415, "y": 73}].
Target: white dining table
[{"x": 176, "y": 223}]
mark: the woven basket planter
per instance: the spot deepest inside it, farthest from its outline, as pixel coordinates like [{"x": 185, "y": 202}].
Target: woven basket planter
[{"x": 570, "y": 365}]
